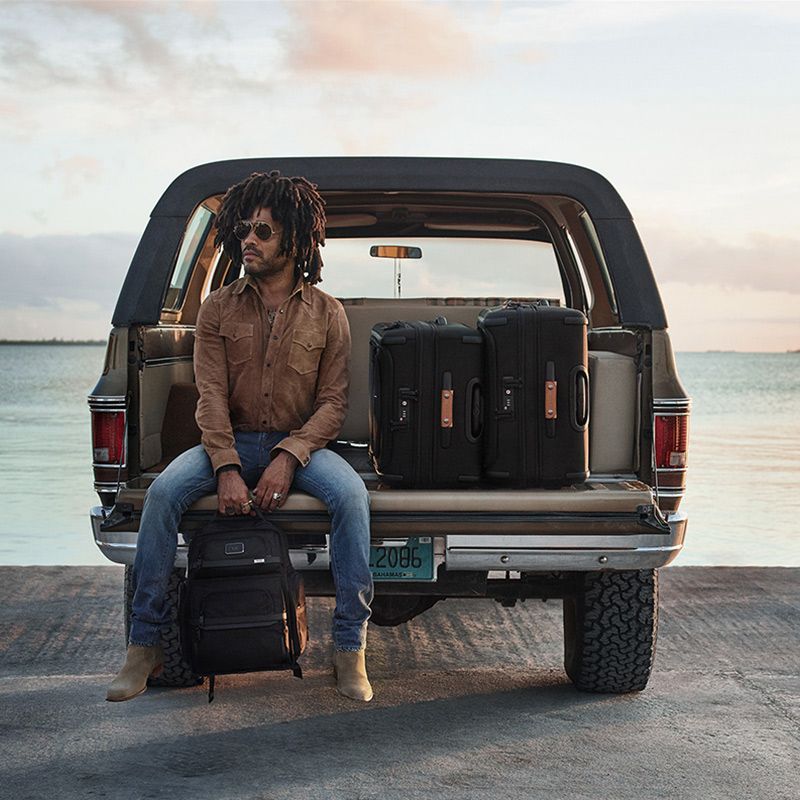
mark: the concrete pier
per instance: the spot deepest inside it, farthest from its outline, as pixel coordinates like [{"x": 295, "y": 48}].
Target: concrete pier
[{"x": 471, "y": 701}]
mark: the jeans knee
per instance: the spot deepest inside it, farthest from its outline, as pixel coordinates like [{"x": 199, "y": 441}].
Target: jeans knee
[
  {"x": 353, "y": 495},
  {"x": 349, "y": 499},
  {"x": 162, "y": 499},
  {"x": 158, "y": 495}
]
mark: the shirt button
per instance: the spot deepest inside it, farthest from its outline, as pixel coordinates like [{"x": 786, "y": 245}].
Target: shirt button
[
  {"x": 266, "y": 394},
  {"x": 263, "y": 422},
  {"x": 275, "y": 338},
  {"x": 269, "y": 363}
]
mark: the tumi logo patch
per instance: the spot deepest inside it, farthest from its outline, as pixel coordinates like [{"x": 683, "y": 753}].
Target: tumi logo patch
[{"x": 234, "y": 548}]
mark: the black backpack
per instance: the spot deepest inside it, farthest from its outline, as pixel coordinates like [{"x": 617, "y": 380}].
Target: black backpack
[{"x": 243, "y": 606}]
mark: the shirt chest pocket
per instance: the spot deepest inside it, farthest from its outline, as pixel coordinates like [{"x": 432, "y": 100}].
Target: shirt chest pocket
[
  {"x": 238, "y": 341},
  {"x": 306, "y": 350}
]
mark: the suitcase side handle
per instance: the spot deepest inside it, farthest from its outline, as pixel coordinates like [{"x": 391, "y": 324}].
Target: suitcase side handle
[
  {"x": 579, "y": 399},
  {"x": 474, "y": 416}
]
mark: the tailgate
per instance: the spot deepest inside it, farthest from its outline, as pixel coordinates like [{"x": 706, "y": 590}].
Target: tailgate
[
  {"x": 593, "y": 507},
  {"x": 599, "y": 524}
]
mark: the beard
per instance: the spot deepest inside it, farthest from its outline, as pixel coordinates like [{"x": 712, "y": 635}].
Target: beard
[{"x": 260, "y": 267}]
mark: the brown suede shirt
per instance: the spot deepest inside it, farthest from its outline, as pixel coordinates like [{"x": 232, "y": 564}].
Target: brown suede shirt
[{"x": 292, "y": 376}]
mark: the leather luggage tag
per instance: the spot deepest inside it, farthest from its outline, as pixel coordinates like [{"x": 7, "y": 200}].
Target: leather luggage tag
[
  {"x": 447, "y": 408},
  {"x": 550, "y": 397}
]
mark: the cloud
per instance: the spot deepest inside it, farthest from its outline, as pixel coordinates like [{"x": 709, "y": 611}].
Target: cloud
[
  {"x": 62, "y": 319},
  {"x": 22, "y": 58},
  {"x": 118, "y": 60},
  {"x": 108, "y": 67},
  {"x": 75, "y": 171},
  {"x": 399, "y": 38},
  {"x": 576, "y": 21},
  {"x": 709, "y": 316},
  {"x": 569, "y": 22},
  {"x": 140, "y": 45},
  {"x": 763, "y": 261},
  {"x": 46, "y": 272}
]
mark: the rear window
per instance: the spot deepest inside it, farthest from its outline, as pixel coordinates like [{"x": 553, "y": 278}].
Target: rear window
[
  {"x": 193, "y": 240},
  {"x": 448, "y": 267}
]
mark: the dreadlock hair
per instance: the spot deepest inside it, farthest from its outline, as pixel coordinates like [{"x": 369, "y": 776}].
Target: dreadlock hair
[{"x": 294, "y": 202}]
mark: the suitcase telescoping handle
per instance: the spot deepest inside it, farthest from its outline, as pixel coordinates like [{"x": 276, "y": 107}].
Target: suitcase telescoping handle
[{"x": 522, "y": 304}]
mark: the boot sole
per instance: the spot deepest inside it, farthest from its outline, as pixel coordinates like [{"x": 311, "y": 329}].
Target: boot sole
[
  {"x": 154, "y": 674},
  {"x": 356, "y": 699}
]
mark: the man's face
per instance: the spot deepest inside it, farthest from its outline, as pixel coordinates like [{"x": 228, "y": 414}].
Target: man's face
[{"x": 261, "y": 258}]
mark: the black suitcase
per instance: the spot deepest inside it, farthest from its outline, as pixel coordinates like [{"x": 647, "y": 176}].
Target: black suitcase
[
  {"x": 243, "y": 604},
  {"x": 537, "y": 395},
  {"x": 426, "y": 404}
]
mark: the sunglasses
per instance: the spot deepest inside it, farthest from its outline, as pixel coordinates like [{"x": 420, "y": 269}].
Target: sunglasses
[{"x": 263, "y": 230}]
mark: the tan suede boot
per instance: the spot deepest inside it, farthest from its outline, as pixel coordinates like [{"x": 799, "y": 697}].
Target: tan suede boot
[
  {"x": 140, "y": 664},
  {"x": 351, "y": 674}
]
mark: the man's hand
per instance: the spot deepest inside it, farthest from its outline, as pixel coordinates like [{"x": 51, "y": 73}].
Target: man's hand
[
  {"x": 232, "y": 493},
  {"x": 276, "y": 480}
]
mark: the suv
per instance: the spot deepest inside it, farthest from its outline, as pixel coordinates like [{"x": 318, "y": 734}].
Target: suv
[{"x": 481, "y": 231}]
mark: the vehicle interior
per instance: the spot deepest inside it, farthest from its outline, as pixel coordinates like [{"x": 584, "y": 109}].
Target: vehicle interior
[{"x": 553, "y": 251}]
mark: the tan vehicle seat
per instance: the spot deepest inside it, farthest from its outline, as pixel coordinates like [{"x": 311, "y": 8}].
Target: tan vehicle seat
[{"x": 612, "y": 379}]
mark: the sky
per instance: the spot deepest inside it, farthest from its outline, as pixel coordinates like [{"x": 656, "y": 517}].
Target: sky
[{"x": 691, "y": 110}]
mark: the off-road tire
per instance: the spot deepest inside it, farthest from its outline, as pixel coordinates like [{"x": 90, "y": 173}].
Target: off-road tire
[
  {"x": 610, "y": 628},
  {"x": 176, "y": 671}
]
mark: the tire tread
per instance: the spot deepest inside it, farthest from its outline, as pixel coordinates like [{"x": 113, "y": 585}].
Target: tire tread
[{"x": 613, "y": 625}]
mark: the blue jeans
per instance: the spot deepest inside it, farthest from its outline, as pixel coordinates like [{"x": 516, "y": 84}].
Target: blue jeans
[{"x": 190, "y": 476}]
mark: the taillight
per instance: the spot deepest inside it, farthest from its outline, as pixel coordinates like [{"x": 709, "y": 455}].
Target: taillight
[
  {"x": 108, "y": 437},
  {"x": 672, "y": 439},
  {"x": 670, "y": 448}
]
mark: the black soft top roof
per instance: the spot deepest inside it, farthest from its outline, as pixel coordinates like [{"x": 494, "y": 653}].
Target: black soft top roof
[{"x": 637, "y": 296}]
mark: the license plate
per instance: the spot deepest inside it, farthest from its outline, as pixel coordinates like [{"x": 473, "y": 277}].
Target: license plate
[{"x": 412, "y": 561}]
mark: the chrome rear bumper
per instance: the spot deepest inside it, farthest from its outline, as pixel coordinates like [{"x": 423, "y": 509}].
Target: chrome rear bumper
[{"x": 518, "y": 552}]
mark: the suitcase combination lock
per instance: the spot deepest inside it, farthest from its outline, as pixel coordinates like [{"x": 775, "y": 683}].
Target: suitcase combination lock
[
  {"x": 405, "y": 397},
  {"x": 507, "y": 394}
]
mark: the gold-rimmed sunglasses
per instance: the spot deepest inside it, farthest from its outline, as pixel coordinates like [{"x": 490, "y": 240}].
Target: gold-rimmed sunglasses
[{"x": 263, "y": 230}]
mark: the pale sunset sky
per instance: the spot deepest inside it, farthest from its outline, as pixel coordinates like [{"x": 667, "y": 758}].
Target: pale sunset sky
[{"x": 691, "y": 109}]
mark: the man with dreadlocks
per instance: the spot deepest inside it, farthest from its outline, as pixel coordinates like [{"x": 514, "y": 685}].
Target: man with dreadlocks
[{"x": 272, "y": 367}]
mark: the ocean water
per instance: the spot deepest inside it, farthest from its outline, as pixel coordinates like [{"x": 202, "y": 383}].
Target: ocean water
[{"x": 743, "y": 501}]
